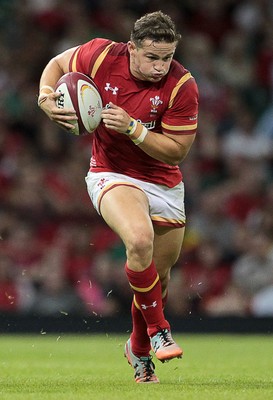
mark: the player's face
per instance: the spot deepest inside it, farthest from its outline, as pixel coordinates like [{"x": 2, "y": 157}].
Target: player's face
[{"x": 152, "y": 60}]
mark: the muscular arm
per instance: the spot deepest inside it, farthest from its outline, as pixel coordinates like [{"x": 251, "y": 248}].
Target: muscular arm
[
  {"x": 171, "y": 149},
  {"x": 57, "y": 67}
]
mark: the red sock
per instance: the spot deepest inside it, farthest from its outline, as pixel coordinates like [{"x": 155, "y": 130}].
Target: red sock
[
  {"x": 147, "y": 289},
  {"x": 140, "y": 340}
]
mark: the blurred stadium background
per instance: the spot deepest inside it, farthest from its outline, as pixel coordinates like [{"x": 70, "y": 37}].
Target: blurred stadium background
[{"x": 58, "y": 260}]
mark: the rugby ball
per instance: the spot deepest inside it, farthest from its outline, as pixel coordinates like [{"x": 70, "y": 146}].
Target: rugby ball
[{"x": 78, "y": 91}]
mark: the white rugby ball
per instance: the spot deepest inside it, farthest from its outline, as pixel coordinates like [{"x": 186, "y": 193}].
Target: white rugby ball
[{"x": 78, "y": 91}]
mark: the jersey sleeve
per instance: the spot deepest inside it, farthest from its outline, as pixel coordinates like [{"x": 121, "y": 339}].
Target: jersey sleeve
[
  {"x": 181, "y": 117},
  {"x": 88, "y": 57}
]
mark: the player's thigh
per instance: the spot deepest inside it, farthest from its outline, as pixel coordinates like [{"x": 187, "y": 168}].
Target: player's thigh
[
  {"x": 167, "y": 248},
  {"x": 126, "y": 210}
]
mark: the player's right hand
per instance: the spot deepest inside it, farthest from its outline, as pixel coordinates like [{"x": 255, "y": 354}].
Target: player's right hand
[{"x": 61, "y": 116}]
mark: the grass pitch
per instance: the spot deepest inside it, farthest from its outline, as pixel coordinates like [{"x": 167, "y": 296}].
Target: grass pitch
[{"x": 214, "y": 367}]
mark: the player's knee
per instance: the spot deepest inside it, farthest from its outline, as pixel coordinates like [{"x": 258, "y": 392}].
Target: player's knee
[{"x": 140, "y": 248}]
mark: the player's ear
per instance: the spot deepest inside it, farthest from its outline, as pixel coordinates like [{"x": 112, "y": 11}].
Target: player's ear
[{"x": 131, "y": 46}]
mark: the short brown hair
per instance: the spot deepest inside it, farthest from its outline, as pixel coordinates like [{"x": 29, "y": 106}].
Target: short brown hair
[{"x": 155, "y": 26}]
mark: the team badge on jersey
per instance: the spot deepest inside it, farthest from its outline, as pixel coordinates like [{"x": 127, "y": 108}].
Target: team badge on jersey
[{"x": 155, "y": 103}]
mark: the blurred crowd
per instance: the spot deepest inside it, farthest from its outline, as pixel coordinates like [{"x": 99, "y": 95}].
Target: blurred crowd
[{"x": 56, "y": 255}]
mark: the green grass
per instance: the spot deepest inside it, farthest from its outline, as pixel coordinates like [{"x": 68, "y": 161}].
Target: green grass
[{"x": 46, "y": 367}]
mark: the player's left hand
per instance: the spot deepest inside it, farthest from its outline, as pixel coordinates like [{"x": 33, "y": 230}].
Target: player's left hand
[{"x": 116, "y": 118}]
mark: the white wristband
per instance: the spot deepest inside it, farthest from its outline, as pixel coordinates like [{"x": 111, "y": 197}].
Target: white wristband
[{"x": 141, "y": 137}]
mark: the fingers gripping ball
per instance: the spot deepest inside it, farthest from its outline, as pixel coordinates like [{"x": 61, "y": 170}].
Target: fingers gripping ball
[{"x": 78, "y": 91}]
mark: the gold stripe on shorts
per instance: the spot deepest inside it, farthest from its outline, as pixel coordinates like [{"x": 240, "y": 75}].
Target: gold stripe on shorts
[
  {"x": 168, "y": 221},
  {"x": 112, "y": 186}
]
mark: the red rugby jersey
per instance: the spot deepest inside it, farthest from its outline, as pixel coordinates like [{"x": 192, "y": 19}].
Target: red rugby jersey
[{"x": 170, "y": 105}]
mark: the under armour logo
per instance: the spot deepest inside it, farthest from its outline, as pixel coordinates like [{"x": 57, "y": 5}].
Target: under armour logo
[
  {"x": 144, "y": 307},
  {"x": 113, "y": 90}
]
